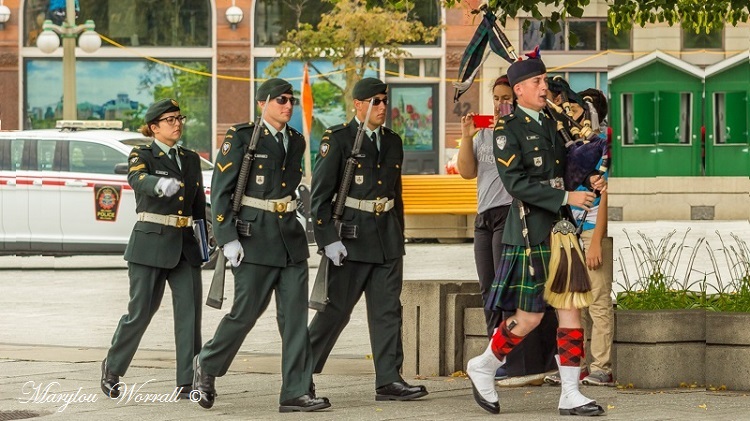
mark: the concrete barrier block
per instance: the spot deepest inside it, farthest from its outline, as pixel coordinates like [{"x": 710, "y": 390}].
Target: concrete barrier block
[
  {"x": 474, "y": 323},
  {"x": 728, "y": 366},
  {"x": 424, "y": 324},
  {"x": 657, "y": 366},
  {"x": 727, "y": 328},
  {"x": 456, "y": 305},
  {"x": 655, "y": 326}
]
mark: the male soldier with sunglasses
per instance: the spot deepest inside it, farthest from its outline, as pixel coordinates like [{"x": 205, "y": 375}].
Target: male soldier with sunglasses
[
  {"x": 267, "y": 249},
  {"x": 371, "y": 240}
]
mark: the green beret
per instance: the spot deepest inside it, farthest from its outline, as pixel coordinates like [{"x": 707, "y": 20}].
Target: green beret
[
  {"x": 368, "y": 88},
  {"x": 160, "y": 107},
  {"x": 273, "y": 87}
]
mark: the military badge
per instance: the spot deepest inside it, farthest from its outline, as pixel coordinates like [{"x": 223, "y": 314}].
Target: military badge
[
  {"x": 324, "y": 148},
  {"x": 174, "y": 103},
  {"x": 219, "y": 218},
  {"x": 259, "y": 179},
  {"x": 222, "y": 168},
  {"x": 359, "y": 179},
  {"x": 528, "y": 120},
  {"x": 133, "y": 160},
  {"x": 537, "y": 161},
  {"x": 225, "y": 148},
  {"x": 501, "y": 141}
]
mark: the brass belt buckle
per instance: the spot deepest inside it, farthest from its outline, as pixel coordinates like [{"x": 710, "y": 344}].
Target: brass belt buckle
[
  {"x": 280, "y": 207},
  {"x": 182, "y": 221},
  {"x": 379, "y": 207}
]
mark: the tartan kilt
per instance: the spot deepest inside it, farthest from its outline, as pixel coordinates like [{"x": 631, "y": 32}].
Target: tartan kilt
[{"x": 514, "y": 287}]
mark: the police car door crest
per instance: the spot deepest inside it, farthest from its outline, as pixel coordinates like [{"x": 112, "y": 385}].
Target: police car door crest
[
  {"x": 501, "y": 141},
  {"x": 359, "y": 179}
]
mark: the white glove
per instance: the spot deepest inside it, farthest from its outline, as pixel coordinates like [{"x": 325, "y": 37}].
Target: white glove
[
  {"x": 168, "y": 186},
  {"x": 233, "y": 252},
  {"x": 336, "y": 252}
]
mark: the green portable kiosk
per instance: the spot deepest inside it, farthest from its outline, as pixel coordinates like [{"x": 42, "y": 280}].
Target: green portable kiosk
[
  {"x": 656, "y": 117},
  {"x": 727, "y": 117}
]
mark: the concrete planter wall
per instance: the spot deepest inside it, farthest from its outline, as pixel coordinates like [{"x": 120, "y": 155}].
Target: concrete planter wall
[
  {"x": 728, "y": 350},
  {"x": 660, "y": 348}
]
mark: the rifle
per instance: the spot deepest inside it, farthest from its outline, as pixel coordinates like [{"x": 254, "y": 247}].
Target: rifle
[
  {"x": 319, "y": 294},
  {"x": 215, "y": 296}
]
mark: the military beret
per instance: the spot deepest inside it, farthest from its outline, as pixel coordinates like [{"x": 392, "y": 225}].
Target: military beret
[
  {"x": 527, "y": 68},
  {"x": 273, "y": 87},
  {"x": 166, "y": 105},
  {"x": 368, "y": 88}
]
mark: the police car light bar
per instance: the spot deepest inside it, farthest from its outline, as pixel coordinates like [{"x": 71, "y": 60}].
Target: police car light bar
[{"x": 88, "y": 124}]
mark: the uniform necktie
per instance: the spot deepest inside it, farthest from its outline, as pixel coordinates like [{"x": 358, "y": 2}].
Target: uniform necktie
[
  {"x": 173, "y": 157},
  {"x": 280, "y": 142},
  {"x": 374, "y": 138}
]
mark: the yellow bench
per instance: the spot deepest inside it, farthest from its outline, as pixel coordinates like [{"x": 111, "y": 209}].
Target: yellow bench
[{"x": 439, "y": 194}]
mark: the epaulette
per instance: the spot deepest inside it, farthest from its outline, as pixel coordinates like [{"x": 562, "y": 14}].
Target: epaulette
[
  {"x": 293, "y": 131},
  {"x": 388, "y": 130},
  {"x": 241, "y": 126},
  {"x": 338, "y": 127},
  {"x": 146, "y": 147}
]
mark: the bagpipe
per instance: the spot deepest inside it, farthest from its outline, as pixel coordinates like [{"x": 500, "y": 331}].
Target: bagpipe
[{"x": 568, "y": 284}]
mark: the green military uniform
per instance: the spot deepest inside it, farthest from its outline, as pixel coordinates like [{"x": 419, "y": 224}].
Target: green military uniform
[
  {"x": 374, "y": 264},
  {"x": 157, "y": 253},
  {"x": 275, "y": 255},
  {"x": 528, "y": 155}
]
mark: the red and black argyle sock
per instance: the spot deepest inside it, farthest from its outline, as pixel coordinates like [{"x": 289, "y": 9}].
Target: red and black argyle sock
[
  {"x": 570, "y": 346},
  {"x": 503, "y": 341}
]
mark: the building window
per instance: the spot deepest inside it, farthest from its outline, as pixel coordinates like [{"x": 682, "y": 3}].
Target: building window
[
  {"x": 580, "y": 81},
  {"x": 590, "y": 34},
  {"x": 133, "y": 23},
  {"x": 123, "y": 90},
  {"x": 273, "y": 18},
  {"x": 702, "y": 40}
]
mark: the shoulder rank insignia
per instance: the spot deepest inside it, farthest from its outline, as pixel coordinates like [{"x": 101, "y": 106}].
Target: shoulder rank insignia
[
  {"x": 324, "y": 148},
  {"x": 225, "y": 148},
  {"x": 223, "y": 168},
  {"x": 507, "y": 163}
]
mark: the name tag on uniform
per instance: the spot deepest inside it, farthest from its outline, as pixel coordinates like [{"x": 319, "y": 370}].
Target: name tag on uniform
[
  {"x": 360, "y": 155},
  {"x": 532, "y": 137},
  {"x": 160, "y": 172},
  {"x": 261, "y": 155}
]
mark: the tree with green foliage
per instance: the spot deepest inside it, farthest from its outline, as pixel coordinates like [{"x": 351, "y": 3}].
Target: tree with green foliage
[
  {"x": 353, "y": 36},
  {"x": 697, "y": 15}
]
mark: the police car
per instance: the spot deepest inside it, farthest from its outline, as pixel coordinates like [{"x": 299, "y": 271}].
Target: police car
[{"x": 64, "y": 191}]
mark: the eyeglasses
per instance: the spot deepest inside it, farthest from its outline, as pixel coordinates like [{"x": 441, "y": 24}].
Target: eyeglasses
[
  {"x": 281, "y": 100},
  {"x": 171, "y": 120},
  {"x": 377, "y": 101}
]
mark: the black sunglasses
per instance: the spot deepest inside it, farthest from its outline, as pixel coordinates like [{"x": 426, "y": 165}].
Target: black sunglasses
[
  {"x": 377, "y": 101},
  {"x": 281, "y": 100}
]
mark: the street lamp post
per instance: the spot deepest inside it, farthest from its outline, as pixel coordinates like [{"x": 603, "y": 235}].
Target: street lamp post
[{"x": 89, "y": 41}]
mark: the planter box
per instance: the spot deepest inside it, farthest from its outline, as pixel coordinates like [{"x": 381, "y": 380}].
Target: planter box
[
  {"x": 728, "y": 350},
  {"x": 660, "y": 348}
]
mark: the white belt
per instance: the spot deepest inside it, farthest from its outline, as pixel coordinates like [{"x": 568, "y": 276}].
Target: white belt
[
  {"x": 283, "y": 205},
  {"x": 168, "y": 220},
  {"x": 377, "y": 206}
]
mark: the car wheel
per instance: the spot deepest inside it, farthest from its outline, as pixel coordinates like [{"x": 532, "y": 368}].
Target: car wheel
[{"x": 213, "y": 250}]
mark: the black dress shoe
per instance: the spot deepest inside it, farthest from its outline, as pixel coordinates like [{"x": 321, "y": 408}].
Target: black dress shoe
[
  {"x": 399, "y": 391},
  {"x": 203, "y": 383},
  {"x": 491, "y": 407},
  {"x": 110, "y": 381},
  {"x": 185, "y": 391},
  {"x": 304, "y": 403},
  {"x": 591, "y": 409}
]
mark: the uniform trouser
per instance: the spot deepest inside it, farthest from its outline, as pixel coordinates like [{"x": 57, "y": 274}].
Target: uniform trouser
[
  {"x": 381, "y": 284},
  {"x": 488, "y": 242},
  {"x": 147, "y": 286},
  {"x": 600, "y": 312},
  {"x": 253, "y": 285}
]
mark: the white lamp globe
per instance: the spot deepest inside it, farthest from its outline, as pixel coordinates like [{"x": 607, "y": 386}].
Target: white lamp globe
[
  {"x": 89, "y": 41},
  {"x": 48, "y": 41},
  {"x": 234, "y": 15},
  {"x": 4, "y": 13}
]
